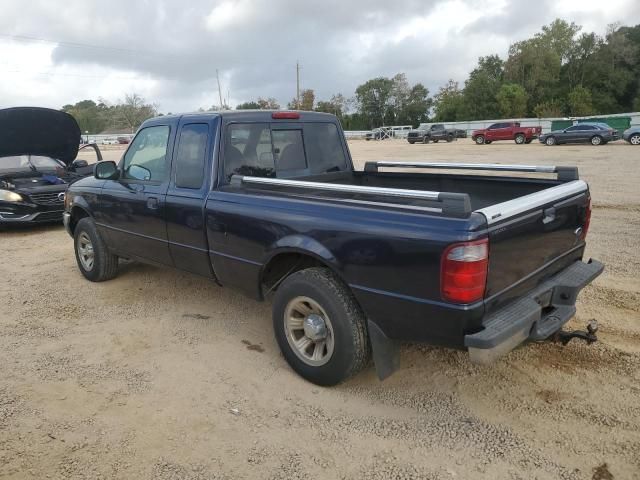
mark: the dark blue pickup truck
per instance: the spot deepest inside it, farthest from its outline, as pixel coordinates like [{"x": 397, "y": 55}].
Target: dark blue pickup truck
[{"x": 354, "y": 262}]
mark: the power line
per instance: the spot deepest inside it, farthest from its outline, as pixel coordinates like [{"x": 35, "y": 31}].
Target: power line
[{"x": 28, "y": 38}]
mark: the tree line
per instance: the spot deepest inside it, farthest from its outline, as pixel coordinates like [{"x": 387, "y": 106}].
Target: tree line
[{"x": 560, "y": 71}]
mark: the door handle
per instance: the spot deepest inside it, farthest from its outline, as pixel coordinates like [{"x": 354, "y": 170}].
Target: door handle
[
  {"x": 549, "y": 215},
  {"x": 152, "y": 203}
]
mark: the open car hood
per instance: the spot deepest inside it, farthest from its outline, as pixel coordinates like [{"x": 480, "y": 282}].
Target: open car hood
[{"x": 38, "y": 131}]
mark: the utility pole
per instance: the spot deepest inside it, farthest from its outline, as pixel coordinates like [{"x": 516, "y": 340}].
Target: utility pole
[
  {"x": 219, "y": 89},
  {"x": 297, "y": 85}
]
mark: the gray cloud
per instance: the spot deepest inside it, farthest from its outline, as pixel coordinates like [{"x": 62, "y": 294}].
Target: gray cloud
[{"x": 177, "y": 46}]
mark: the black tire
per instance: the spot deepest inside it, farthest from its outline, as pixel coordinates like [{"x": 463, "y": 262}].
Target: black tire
[
  {"x": 411, "y": 142},
  {"x": 104, "y": 265},
  {"x": 425, "y": 139},
  {"x": 488, "y": 142},
  {"x": 435, "y": 141},
  {"x": 528, "y": 141},
  {"x": 634, "y": 139},
  {"x": 351, "y": 350},
  {"x": 520, "y": 139},
  {"x": 480, "y": 140},
  {"x": 550, "y": 141},
  {"x": 450, "y": 138},
  {"x": 597, "y": 140}
]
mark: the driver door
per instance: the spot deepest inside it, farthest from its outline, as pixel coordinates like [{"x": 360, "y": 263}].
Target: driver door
[{"x": 133, "y": 206}]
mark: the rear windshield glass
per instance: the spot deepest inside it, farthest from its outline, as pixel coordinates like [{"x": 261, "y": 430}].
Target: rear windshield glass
[{"x": 257, "y": 150}]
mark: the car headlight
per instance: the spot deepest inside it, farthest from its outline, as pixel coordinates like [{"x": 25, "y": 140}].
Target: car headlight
[{"x": 8, "y": 196}]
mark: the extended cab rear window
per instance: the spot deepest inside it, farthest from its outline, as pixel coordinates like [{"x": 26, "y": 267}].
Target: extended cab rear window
[{"x": 266, "y": 150}]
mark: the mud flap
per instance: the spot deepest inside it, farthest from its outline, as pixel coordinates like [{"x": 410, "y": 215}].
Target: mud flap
[{"x": 385, "y": 352}]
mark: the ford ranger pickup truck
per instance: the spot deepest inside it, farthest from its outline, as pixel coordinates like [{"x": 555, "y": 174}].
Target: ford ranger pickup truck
[
  {"x": 354, "y": 262},
  {"x": 506, "y": 131}
]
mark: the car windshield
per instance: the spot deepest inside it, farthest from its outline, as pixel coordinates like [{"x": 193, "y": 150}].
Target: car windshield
[{"x": 29, "y": 162}]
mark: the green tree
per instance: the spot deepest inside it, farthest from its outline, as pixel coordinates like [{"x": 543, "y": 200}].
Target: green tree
[
  {"x": 131, "y": 112},
  {"x": 248, "y": 106},
  {"x": 337, "y": 105},
  {"x": 90, "y": 116},
  {"x": 307, "y": 100},
  {"x": 372, "y": 98},
  {"x": 512, "y": 99},
  {"x": 268, "y": 103},
  {"x": 549, "y": 109},
  {"x": 481, "y": 89},
  {"x": 448, "y": 104},
  {"x": 579, "y": 102}
]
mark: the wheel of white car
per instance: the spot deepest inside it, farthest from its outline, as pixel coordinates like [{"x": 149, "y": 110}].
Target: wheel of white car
[
  {"x": 596, "y": 140},
  {"x": 635, "y": 139},
  {"x": 550, "y": 141},
  {"x": 520, "y": 139},
  {"x": 480, "y": 139}
]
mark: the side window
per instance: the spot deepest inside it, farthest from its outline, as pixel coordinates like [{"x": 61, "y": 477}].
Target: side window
[
  {"x": 588, "y": 127},
  {"x": 146, "y": 158},
  {"x": 494, "y": 126},
  {"x": 247, "y": 150},
  {"x": 575, "y": 128},
  {"x": 288, "y": 150},
  {"x": 324, "y": 148},
  {"x": 190, "y": 158}
]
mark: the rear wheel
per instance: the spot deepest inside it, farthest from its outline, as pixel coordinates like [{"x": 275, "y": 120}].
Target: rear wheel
[
  {"x": 634, "y": 139},
  {"x": 596, "y": 140},
  {"x": 520, "y": 139},
  {"x": 94, "y": 259},
  {"x": 550, "y": 141},
  {"x": 319, "y": 326},
  {"x": 480, "y": 140}
]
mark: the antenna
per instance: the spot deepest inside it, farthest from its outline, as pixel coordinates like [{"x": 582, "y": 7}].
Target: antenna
[
  {"x": 297, "y": 85},
  {"x": 219, "y": 89}
]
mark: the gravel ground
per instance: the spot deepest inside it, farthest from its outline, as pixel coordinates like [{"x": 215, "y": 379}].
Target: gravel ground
[{"x": 164, "y": 375}]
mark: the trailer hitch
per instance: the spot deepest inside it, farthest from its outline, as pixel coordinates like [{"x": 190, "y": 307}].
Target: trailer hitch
[{"x": 589, "y": 336}]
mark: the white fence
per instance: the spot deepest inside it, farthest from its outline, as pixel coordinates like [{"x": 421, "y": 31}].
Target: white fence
[{"x": 545, "y": 123}]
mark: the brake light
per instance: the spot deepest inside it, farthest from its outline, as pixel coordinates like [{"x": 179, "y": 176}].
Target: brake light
[
  {"x": 463, "y": 271},
  {"x": 285, "y": 115},
  {"x": 587, "y": 220}
]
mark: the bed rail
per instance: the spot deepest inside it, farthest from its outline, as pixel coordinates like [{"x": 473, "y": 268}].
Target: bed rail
[
  {"x": 565, "y": 174},
  {"x": 451, "y": 204}
]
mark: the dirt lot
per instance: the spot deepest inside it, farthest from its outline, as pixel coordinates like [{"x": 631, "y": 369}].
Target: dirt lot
[{"x": 159, "y": 374}]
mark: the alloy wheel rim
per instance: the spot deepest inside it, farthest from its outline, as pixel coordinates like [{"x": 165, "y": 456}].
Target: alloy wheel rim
[
  {"x": 551, "y": 141},
  {"x": 635, "y": 140},
  {"x": 85, "y": 251},
  {"x": 596, "y": 141},
  {"x": 309, "y": 331}
]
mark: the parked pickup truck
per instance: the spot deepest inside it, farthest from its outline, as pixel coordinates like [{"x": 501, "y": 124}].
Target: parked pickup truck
[
  {"x": 434, "y": 133},
  {"x": 354, "y": 261},
  {"x": 506, "y": 131}
]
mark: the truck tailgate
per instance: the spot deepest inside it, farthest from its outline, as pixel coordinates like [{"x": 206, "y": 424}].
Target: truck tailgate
[{"x": 533, "y": 237}]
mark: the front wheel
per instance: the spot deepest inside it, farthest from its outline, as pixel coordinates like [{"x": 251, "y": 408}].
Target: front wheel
[
  {"x": 550, "y": 141},
  {"x": 634, "y": 139},
  {"x": 94, "y": 259},
  {"x": 450, "y": 138},
  {"x": 520, "y": 139},
  {"x": 480, "y": 140},
  {"x": 319, "y": 326},
  {"x": 596, "y": 140}
]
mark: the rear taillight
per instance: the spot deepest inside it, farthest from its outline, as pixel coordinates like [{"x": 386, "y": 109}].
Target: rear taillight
[
  {"x": 587, "y": 221},
  {"x": 463, "y": 271}
]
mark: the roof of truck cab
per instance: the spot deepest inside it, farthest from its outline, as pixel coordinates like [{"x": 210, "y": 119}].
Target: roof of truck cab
[{"x": 247, "y": 115}]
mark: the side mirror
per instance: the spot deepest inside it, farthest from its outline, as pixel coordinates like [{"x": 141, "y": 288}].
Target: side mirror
[
  {"x": 79, "y": 163},
  {"x": 106, "y": 170}
]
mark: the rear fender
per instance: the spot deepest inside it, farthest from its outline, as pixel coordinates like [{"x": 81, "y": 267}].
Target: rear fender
[{"x": 304, "y": 245}]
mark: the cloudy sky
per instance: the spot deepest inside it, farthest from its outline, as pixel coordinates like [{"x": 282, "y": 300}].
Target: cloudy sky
[{"x": 53, "y": 53}]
